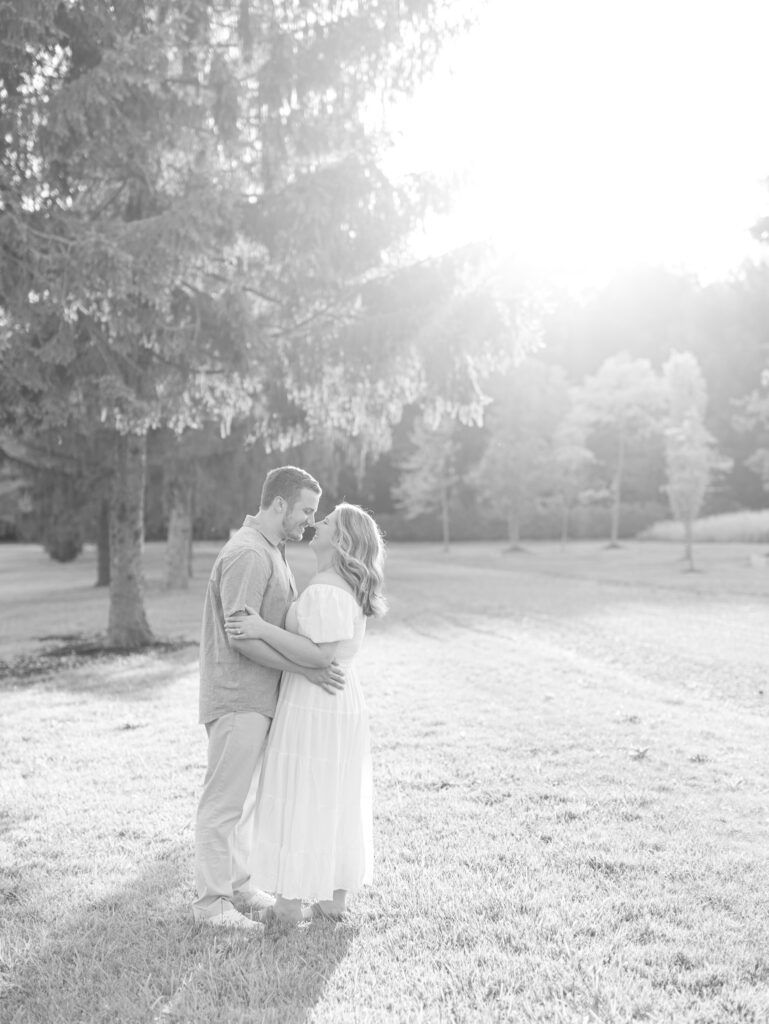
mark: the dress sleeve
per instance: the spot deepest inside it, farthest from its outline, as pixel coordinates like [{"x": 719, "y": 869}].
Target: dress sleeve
[{"x": 325, "y": 613}]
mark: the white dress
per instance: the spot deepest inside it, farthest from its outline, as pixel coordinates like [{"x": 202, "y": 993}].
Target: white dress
[{"x": 313, "y": 820}]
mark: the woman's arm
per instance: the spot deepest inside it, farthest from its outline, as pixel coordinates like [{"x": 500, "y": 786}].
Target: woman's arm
[
  {"x": 262, "y": 653},
  {"x": 328, "y": 677},
  {"x": 299, "y": 649}
]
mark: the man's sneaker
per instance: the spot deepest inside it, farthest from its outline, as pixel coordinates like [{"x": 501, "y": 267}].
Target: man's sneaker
[
  {"x": 254, "y": 899},
  {"x": 222, "y": 914}
]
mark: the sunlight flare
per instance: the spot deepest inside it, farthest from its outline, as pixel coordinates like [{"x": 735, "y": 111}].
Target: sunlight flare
[{"x": 596, "y": 136}]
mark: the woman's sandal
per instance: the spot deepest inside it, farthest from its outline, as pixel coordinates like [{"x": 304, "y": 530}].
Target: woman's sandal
[
  {"x": 316, "y": 910},
  {"x": 270, "y": 916}
]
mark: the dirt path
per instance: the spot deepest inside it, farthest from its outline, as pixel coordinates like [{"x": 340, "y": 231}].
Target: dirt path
[{"x": 708, "y": 645}]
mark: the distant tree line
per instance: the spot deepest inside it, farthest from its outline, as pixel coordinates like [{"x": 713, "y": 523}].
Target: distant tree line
[
  {"x": 571, "y": 444},
  {"x": 677, "y": 422},
  {"x": 649, "y": 399}
]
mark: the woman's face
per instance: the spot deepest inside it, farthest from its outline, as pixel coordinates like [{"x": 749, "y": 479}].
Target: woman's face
[{"x": 324, "y": 533}]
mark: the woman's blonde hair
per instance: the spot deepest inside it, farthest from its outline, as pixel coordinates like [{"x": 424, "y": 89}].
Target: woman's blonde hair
[{"x": 359, "y": 554}]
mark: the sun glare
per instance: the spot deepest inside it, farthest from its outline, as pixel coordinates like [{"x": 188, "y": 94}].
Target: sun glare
[{"x": 593, "y": 136}]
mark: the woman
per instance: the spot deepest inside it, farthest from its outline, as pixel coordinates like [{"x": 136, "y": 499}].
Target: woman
[{"x": 313, "y": 824}]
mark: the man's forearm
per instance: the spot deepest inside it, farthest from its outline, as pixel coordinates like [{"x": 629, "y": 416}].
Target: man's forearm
[{"x": 260, "y": 652}]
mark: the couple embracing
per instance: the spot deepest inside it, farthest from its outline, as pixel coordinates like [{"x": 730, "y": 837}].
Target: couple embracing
[{"x": 284, "y": 822}]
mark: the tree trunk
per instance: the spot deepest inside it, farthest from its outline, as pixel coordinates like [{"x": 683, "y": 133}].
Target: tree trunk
[
  {"x": 445, "y": 516},
  {"x": 180, "y": 486},
  {"x": 564, "y": 524},
  {"x": 128, "y": 625},
  {"x": 688, "y": 538},
  {"x": 514, "y": 530},
  {"x": 102, "y": 545},
  {"x": 190, "y": 547},
  {"x": 63, "y": 534},
  {"x": 617, "y": 494}
]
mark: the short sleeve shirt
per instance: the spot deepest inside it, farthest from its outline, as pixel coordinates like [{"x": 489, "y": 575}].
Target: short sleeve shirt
[{"x": 251, "y": 570}]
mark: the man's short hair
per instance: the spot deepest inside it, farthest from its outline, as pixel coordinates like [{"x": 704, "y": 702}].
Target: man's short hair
[{"x": 286, "y": 482}]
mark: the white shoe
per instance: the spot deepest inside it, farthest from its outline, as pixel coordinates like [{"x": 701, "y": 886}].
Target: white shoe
[
  {"x": 222, "y": 914},
  {"x": 254, "y": 899}
]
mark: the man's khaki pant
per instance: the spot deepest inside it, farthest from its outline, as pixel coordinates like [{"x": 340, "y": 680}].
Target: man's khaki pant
[{"x": 224, "y": 825}]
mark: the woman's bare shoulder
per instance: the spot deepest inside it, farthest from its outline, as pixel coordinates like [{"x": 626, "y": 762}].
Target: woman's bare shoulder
[{"x": 329, "y": 578}]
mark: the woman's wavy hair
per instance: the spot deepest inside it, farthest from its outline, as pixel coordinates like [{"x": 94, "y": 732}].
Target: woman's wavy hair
[{"x": 359, "y": 555}]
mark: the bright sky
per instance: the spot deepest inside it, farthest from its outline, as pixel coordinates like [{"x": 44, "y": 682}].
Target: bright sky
[{"x": 596, "y": 134}]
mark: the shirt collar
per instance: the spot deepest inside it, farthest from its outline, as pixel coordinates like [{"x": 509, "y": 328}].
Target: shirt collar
[{"x": 252, "y": 524}]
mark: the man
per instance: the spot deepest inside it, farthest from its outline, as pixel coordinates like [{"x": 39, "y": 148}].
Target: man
[{"x": 239, "y": 690}]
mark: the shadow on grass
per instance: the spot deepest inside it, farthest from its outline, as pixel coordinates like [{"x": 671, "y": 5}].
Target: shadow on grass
[
  {"x": 136, "y": 955},
  {"x": 84, "y": 666}
]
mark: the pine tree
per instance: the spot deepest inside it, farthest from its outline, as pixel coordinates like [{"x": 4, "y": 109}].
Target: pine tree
[{"x": 192, "y": 214}]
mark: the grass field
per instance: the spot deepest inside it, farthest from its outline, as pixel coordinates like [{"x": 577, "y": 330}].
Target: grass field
[{"x": 572, "y": 813}]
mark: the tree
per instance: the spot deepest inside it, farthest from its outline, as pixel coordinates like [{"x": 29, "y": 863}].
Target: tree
[
  {"x": 174, "y": 461},
  {"x": 753, "y": 416},
  {"x": 191, "y": 209},
  {"x": 14, "y": 497},
  {"x": 573, "y": 461},
  {"x": 619, "y": 408},
  {"x": 753, "y": 419},
  {"x": 428, "y": 475},
  {"x": 179, "y": 486},
  {"x": 65, "y": 476},
  {"x": 731, "y": 345},
  {"x": 518, "y": 466},
  {"x": 689, "y": 446}
]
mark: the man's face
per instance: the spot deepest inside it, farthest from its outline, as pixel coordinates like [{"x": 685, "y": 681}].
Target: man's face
[{"x": 301, "y": 514}]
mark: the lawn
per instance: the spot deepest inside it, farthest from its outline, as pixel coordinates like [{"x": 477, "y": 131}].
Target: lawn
[{"x": 572, "y": 813}]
